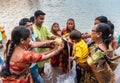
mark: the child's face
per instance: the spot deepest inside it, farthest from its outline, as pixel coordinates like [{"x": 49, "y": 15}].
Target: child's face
[{"x": 75, "y": 40}]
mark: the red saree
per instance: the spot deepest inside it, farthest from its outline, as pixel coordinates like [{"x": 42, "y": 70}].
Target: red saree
[{"x": 20, "y": 69}]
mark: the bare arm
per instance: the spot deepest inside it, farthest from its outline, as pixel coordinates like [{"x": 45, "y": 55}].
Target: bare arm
[
  {"x": 40, "y": 44},
  {"x": 53, "y": 52}
]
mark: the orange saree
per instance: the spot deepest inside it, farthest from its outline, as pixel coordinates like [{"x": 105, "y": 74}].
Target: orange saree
[{"x": 20, "y": 69}]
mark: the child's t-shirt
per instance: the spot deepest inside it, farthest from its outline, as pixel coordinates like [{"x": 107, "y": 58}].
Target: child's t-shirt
[{"x": 80, "y": 50}]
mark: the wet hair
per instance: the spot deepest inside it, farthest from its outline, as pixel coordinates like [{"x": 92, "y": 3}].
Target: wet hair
[
  {"x": 102, "y": 19},
  {"x": 38, "y": 13},
  {"x": 18, "y": 33},
  {"x": 23, "y": 21},
  {"x": 105, "y": 30},
  {"x": 32, "y": 19},
  {"x": 75, "y": 35},
  {"x": 70, "y": 19}
]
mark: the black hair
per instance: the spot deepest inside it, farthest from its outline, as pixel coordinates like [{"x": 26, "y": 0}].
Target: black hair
[
  {"x": 111, "y": 27},
  {"x": 75, "y": 34},
  {"x": 70, "y": 19},
  {"x": 32, "y": 19},
  {"x": 105, "y": 30},
  {"x": 17, "y": 33},
  {"x": 38, "y": 13},
  {"x": 23, "y": 21},
  {"x": 102, "y": 19}
]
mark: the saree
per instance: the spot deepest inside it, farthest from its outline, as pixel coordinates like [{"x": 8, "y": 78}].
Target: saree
[
  {"x": 20, "y": 69},
  {"x": 64, "y": 63},
  {"x": 101, "y": 70}
]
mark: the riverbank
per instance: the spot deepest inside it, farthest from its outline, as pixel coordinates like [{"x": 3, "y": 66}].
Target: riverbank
[{"x": 11, "y": 11}]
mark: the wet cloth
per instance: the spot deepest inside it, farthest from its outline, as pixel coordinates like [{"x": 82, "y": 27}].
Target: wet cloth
[
  {"x": 43, "y": 33},
  {"x": 65, "y": 64},
  {"x": 19, "y": 69}
]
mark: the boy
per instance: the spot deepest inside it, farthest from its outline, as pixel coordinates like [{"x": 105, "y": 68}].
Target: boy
[{"x": 80, "y": 52}]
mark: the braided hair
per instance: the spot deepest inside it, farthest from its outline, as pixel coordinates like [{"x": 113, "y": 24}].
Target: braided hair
[{"x": 17, "y": 33}]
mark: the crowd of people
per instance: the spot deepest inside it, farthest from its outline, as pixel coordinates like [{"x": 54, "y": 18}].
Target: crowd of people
[{"x": 32, "y": 45}]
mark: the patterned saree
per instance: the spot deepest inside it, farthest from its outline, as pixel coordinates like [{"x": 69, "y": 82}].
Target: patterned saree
[
  {"x": 101, "y": 71},
  {"x": 20, "y": 69}
]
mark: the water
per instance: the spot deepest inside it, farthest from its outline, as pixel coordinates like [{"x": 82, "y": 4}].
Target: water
[{"x": 83, "y": 12}]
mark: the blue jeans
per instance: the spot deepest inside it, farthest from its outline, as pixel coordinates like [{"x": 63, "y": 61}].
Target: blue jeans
[{"x": 35, "y": 74}]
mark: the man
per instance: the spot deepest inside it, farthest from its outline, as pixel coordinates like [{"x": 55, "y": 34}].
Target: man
[{"x": 42, "y": 32}]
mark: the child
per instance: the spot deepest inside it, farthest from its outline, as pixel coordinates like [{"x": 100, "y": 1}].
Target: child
[{"x": 80, "y": 52}]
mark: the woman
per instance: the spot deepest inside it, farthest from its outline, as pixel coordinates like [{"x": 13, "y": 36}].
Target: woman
[
  {"x": 70, "y": 25},
  {"x": 55, "y": 30},
  {"x": 65, "y": 64},
  {"x": 98, "y": 59},
  {"x": 19, "y": 57}
]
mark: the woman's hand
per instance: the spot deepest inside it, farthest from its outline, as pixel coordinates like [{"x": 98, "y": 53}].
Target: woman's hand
[{"x": 58, "y": 41}]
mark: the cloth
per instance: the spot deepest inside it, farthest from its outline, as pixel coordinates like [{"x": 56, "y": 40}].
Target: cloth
[
  {"x": 55, "y": 61},
  {"x": 35, "y": 74},
  {"x": 101, "y": 71},
  {"x": 43, "y": 33},
  {"x": 119, "y": 39},
  {"x": 0, "y": 36},
  {"x": 1, "y": 60},
  {"x": 3, "y": 32},
  {"x": 19, "y": 69},
  {"x": 80, "y": 50},
  {"x": 34, "y": 37},
  {"x": 34, "y": 66},
  {"x": 65, "y": 64}
]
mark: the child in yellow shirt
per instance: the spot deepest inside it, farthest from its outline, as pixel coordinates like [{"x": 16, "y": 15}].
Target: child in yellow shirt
[{"x": 80, "y": 52}]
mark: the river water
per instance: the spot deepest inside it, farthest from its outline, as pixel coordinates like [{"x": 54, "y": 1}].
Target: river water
[{"x": 84, "y": 13}]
